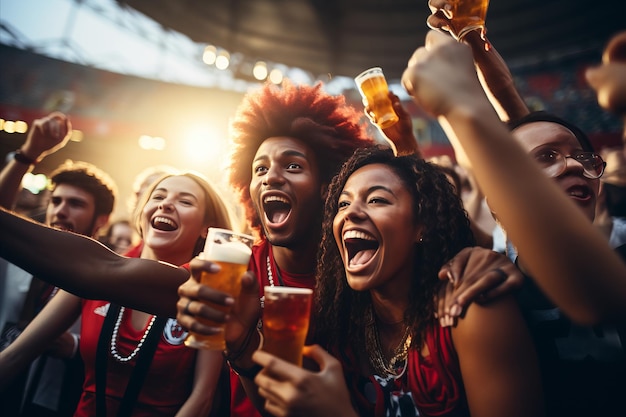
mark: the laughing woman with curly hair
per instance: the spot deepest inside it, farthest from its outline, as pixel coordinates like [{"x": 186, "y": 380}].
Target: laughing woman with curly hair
[{"x": 389, "y": 226}]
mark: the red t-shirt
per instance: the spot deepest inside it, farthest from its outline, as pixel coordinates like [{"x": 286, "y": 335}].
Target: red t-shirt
[
  {"x": 240, "y": 405},
  {"x": 170, "y": 377}
]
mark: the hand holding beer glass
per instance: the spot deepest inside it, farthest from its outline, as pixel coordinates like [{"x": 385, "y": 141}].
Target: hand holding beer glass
[
  {"x": 375, "y": 92},
  {"x": 466, "y": 16},
  {"x": 232, "y": 252},
  {"x": 286, "y": 317}
]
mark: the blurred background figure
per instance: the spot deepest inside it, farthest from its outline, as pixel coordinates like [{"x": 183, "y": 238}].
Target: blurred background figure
[{"x": 120, "y": 236}]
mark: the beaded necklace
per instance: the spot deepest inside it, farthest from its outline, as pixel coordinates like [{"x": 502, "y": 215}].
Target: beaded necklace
[
  {"x": 270, "y": 276},
  {"x": 116, "y": 328}
]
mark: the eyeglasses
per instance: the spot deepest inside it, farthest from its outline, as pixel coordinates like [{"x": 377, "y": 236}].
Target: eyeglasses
[{"x": 554, "y": 163}]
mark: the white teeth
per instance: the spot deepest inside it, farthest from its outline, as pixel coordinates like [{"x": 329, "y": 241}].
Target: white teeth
[
  {"x": 275, "y": 198},
  {"x": 164, "y": 220},
  {"x": 357, "y": 234}
]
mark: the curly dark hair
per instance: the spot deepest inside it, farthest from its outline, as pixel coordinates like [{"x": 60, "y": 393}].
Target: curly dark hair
[
  {"x": 89, "y": 178},
  {"x": 340, "y": 317},
  {"x": 324, "y": 122}
]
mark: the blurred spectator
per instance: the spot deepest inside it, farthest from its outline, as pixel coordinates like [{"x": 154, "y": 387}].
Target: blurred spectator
[{"x": 120, "y": 236}]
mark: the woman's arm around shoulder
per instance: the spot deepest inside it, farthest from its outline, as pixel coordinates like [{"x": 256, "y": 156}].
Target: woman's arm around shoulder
[{"x": 498, "y": 361}]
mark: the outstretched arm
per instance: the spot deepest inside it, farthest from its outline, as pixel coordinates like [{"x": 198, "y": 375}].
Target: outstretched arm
[
  {"x": 573, "y": 263},
  {"x": 87, "y": 268}
]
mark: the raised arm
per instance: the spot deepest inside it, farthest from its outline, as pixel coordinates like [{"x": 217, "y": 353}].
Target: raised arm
[
  {"x": 87, "y": 268},
  {"x": 45, "y": 136},
  {"x": 572, "y": 263},
  {"x": 494, "y": 74},
  {"x": 400, "y": 135}
]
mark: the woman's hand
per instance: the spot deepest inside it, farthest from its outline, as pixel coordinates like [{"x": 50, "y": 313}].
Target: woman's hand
[{"x": 292, "y": 391}]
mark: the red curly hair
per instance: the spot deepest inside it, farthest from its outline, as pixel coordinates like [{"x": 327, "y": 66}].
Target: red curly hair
[{"x": 324, "y": 122}]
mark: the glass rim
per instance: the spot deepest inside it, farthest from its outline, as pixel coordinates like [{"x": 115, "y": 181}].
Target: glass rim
[
  {"x": 364, "y": 73},
  {"x": 230, "y": 231}
]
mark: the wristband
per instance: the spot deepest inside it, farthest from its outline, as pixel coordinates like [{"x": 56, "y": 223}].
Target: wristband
[{"x": 19, "y": 156}]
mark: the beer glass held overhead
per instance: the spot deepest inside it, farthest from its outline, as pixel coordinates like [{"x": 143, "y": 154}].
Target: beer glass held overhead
[
  {"x": 286, "y": 317},
  {"x": 466, "y": 16},
  {"x": 232, "y": 252},
  {"x": 375, "y": 93}
]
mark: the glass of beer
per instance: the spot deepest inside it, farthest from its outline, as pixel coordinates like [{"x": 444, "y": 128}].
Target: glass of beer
[
  {"x": 375, "y": 92},
  {"x": 467, "y": 15},
  {"x": 231, "y": 250},
  {"x": 286, "y": 322}
]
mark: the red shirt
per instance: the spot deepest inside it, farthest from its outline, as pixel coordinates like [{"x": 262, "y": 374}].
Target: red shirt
[
  {"x": 433, "y": 385},
  {"x": 170, "y": 377}
]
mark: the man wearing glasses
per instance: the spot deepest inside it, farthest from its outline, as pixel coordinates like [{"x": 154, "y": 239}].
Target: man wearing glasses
[{"x": 583, "y": 367}]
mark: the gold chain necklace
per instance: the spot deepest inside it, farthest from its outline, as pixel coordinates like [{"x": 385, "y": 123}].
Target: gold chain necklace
[{"x": 397, "y": 364}]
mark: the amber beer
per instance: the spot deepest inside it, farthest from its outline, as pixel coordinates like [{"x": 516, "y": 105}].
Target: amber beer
[
  {"x": 232, "y": 252},
  {"x": 467, "y": 15},
  {"x": 373, "y": 88},
  {"x": 286, "y": 322}
]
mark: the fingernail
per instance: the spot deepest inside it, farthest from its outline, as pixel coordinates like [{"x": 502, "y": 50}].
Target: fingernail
[
  {"x": 214, "y": 267},
  {"x": 216, "y": 330},
  {"x": 450, "y": 277},
  {"x": 442, "y": 322},
  {"x": 455, "y": 311},
  {"x": 229, "y": 301}
]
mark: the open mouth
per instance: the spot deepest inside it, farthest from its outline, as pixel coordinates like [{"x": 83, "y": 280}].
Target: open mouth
[
  {"x": 361, "y": 247},
  {"x": 579, "y": 192},
  {"x": 276, "y": 209},
  {"x": 164, "y": 224},
  {"x": 62, "y": 226}
]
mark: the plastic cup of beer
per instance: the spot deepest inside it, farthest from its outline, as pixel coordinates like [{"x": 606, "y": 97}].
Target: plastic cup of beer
[
  {"x": 286, "y": 322},
  {"x": 375, "y": 92},
  {"x": 466, "y": 16},
  {"x": 231, "y": 250}
]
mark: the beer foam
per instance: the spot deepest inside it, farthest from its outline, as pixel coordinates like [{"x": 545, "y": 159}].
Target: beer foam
[
  {"x": 233, "y": 252},
  {"x": 287, "y": 290},
  {"x": 369, "y": 73}
]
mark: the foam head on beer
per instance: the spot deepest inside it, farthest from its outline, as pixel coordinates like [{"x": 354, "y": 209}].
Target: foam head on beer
[{"x": 227, "y": 246}]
